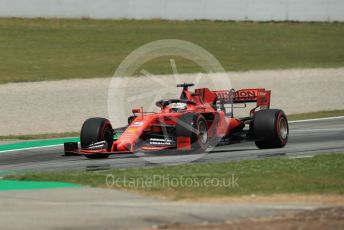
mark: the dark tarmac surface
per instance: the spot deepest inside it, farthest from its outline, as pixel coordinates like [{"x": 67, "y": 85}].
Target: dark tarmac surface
[{"x": 307, "y": 138}]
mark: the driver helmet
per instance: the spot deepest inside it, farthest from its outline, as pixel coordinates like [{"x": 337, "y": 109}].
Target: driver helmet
[{"x": 178, "y": 106}]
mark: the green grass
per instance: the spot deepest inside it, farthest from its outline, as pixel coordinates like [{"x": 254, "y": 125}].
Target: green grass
[
  {"x": 321, "y": 114},
  {"x": 322, "y": 174},
  {"x": 42, "y": 49}
]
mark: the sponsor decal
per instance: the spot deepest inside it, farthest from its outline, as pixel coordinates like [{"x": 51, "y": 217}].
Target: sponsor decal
[
  {"x": 131, "y": 130},
  {"x": 224, "y": 141},
  {"x": 130, "y": 134},
  {"x": 241, "y": 95},
  {"x": 137, "y": 124},
  {"x": 245, "y": 95},
  {"x": 160, "y": 141},
  {"x": 125, "y": 140},
  {"x": 97, "y": 145},
  {"x": 224, "y": 95}
]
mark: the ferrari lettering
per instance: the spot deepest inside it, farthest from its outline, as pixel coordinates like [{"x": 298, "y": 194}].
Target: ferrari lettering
[{"x": 245, "y": 94}]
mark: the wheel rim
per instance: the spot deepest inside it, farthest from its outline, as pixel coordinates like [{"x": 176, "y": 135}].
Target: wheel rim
[
  {"x": 203, "y": 132},
  {"x": 283, "y": 128}
]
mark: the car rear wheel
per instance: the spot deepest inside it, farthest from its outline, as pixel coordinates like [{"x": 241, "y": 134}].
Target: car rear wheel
[
  {"x": 194, "y": 129},
  {"x": 270, "y": 128},
  {"x": 96, "y": 130}
]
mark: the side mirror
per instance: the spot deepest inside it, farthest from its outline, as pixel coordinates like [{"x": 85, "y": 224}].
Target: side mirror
[{"x": 130, "y": 119}]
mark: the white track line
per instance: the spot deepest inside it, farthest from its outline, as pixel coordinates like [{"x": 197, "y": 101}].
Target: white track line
[
  {"x": 300, "y": 157},
  {"x": 318, "y": 119},
  {"x": 317, "y": 130},
  {"x": 38, "y": 147}
]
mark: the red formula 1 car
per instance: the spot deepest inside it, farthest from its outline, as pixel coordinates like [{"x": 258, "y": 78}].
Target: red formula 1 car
[{"x": 196, "y": 121}]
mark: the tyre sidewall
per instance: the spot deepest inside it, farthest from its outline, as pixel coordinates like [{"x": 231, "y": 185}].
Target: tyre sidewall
[{"x": 282, "y": 141}]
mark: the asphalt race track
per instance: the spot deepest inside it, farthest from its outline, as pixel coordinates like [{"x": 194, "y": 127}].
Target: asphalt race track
[{"x": 307, "y": 138}]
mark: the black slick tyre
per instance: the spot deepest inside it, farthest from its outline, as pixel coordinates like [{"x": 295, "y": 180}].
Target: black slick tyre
[
  {"x": 95, "y": 130},
  {"x": 270, "y": 129}
]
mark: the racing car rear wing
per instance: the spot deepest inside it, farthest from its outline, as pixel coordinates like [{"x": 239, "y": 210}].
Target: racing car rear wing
[{"x": 259, "y": 95}]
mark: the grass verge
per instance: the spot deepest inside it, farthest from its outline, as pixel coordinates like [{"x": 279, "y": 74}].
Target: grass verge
[
  {"x": 322, "y": 174},
  {"x": 52, "y": 49},
  {"x": 40, "y": 136},
  {"x": 321, "y": 114}
]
